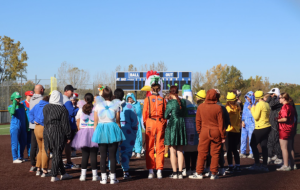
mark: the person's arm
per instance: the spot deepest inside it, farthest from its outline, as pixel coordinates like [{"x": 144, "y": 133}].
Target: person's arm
[
  {"x": 95, "y": 119},
  {"x": 31, "y": 115},
  {"x": 12, "y": 109},
  {"x": 66, "y": 124},
  {"x": 145, "y": 111},
  {"x": 78, "y": 123},
  {"x": 284, "y": 113},
  {"x": 72, "y": 111},
  {"x": 198, "y": 120},
  {"x": 118, "y": 119},
  {"x": 167, "y": 114},
  {"x": 256, "y": 111},
  {"x": 78, "y": 119}
]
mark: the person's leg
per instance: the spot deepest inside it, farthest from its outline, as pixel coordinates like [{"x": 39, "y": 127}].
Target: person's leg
[
  {"x": 149, "y": 141},
  {"x": 230, "y": 147},
  {"x": 103, "y": 153},
  {"x": 39, "y": 139},
  {"x": 14, "y": 136},
  {"x": 271, "y": 142},
  {"x": 180, "y": 158},
  {"x": 28, "y": 145},
  {"x": 263, "y": 139},
  {"x": 139, "y": 139},
  {"x": 45, "y": 158},
  {"x": 284, "y": 148},
  {"x": 221, "y": 160},
  {"x": 22, "y": 140},
  {"x": 215, "y": 154},
  {"x": 127, "y": 146},
  {"x": 60, "y": 162},
  {"x": 93, "y": 157},
  {"x": 57, "y": 163},
  {"x": 85, "y": 157},
  {"x": 159, "y": 144},
  {"x": 277, "y": 148},
  {"x": 173, "y": 158},
  {"x": 203, "y": 147},
  {"x": 253, "y": 144},
  {"x": 112, "y": 149},
  {"x": 291, "y": 153},
  {"x": 235, "y": 144},
  {"x": 244, "y": 139},
  {"x": 250, "y": 132},
  {"x": 33, "y": 149},
  {"x": 194, "y": 156},
  {"x": 187, "y": 159},
  {"x": 68, "y": 151}
]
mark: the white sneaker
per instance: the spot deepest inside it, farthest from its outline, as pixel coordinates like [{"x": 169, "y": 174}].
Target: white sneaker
[
  {"x": 208, "y": 174},
  {"x": 73, "y": 154},
  {"x": 243, "y": 156},
  {"x": 213, "y": 177},
  {"x": 138, "y": 155},
  {"x": 17, "y": 161},
  {"x": 192, "y": 172},
  {"x": 51, "y": 155},
  {"x": 278, "y": 161},
  {"x": 38, "y": 173},
  {"x": 270, "y": 161},
  {"x": 174, "y": 176},
  {"x": 24, "y": 160},
  {"x": 225, "y": 154},
  {"x": 295, "y": 167},
  {"x": 133, "y": 154},
  {"x": 54, "y": 179},
  {"x": 250, "y": 156},
  {"x": 274, "y": 158},
  {"x": 284, "y": 168},
  {"x": 82, "y": 178},
  {"x": 222, "y": 172},
  {"x": 65, "y": 176},
  {"x": 113, "y": 179},
  {"x": 184, "y": 172},
  {"x": 96, "y": 178},
  {"x": 159, "y": 175},
  {"x": 196, "y": 176},
  {"x": 151, "y": 175},
  {"x": 103, "y": 178}
]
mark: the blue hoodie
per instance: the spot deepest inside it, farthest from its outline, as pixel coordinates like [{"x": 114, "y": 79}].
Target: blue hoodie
[
  {"x": 136, "y": 105},
  {"x": 247, "y": 116},
  {"x": 36, "y": 113}
]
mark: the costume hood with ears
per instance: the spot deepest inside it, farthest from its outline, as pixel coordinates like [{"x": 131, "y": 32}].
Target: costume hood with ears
[
  {"x": 56, "y": 98},
  {"x": 250, "y": 95},
  {"x": 131, "y": 95},
  {"x": 211, "y": 97},
  {"x": 275, "y": 91}
]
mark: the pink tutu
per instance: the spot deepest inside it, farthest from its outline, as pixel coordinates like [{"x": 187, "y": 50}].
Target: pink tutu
[{"x": 83, "y": 138}]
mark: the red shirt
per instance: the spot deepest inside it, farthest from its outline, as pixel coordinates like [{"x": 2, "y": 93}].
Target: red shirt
[{"x": 287, "y": 111}]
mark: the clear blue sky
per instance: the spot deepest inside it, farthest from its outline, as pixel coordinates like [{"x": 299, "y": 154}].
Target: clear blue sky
[{"x": 259, "y": 37}]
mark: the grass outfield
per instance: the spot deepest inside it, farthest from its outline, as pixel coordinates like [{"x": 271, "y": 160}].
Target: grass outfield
[{"x": 4, "y": 129}]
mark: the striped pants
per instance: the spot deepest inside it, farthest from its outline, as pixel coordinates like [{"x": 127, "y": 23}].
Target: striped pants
[{"x": 57, "y": 163}]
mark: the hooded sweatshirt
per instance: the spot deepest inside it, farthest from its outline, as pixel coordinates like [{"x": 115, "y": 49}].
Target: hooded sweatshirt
[
  {"x": 275, "y": 106},
  {"x": 247, "y": 117},
  {"x": 35, "y": 99},
  {"x": 36, "y": 114},
  {"x": 235, "y": 118},
  {"x": 210, "y": 115},
  {"x": 72, "y": 111},
  {"x": 136, "y": 105}
]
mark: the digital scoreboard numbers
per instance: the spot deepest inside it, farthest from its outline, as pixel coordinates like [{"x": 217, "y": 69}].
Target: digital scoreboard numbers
[{"x": 135, "y": 81}]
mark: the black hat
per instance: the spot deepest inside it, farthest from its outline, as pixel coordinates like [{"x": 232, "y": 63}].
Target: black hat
[{"x": 69, "y": 87}]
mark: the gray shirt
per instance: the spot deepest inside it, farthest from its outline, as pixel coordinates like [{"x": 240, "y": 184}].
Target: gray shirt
[
  {"x": 65, "y": 99},
  {"x": 35, "y": 99}
]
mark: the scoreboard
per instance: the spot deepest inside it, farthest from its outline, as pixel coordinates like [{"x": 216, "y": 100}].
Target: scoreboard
[{"x": 135, "y": 81}]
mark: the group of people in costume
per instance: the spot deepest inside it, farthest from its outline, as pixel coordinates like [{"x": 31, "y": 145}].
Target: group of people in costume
[{"x": 112, "y": 123}]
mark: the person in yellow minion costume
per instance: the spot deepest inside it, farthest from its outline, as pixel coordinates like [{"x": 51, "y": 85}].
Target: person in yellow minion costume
[
  {"x": 233, "y": 133},
  {"x": 260, "y": 112},
  {"x": 200, "y": 97}
]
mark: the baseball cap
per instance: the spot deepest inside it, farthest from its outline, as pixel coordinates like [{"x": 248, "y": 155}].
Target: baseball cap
[
  {"x": 29, "y": 93},
  {"x": 69, "y": 87}
]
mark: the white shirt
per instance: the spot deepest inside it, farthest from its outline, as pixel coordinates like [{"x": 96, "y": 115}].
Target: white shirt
[
  {"x": 86, "y": 121},
  {"x": 104, "y": 118}
]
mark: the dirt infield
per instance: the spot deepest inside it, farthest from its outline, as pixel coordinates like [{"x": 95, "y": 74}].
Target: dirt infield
[{"x": 16, "y": 176}]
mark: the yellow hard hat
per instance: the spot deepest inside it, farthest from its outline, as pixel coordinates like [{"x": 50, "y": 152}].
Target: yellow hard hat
[
  {"x": 201, "y": 94},
  {"x": 231, "y": 96},
  {"x": 259, "y": 94}
]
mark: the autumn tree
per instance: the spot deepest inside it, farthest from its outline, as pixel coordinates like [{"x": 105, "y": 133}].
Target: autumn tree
[
  {"x": 230, "y": 78},
  {"x": 12, "y": 59}
]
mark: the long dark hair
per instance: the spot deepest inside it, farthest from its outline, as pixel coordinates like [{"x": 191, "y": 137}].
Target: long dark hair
[
  {"x": 174, "y": 92},
  {"x": 88, "y": 107},
  {"x": 107, "y": 94}
]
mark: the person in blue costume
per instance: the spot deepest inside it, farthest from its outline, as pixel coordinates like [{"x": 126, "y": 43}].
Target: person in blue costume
[
  {"x": 248, "y": 125},
  {"x": 18, "y": 133},
  {"x": 130, "y": 98},
  {"x": 25, "y": 102},
  {"x": 129, "y": 126}
]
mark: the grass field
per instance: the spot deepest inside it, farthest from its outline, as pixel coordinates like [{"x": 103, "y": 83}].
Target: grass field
[{"x": 4, "y": 129}]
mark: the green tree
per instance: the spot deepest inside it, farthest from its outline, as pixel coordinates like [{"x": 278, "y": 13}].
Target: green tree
[
  {"x": 12, "y": 59},
  {"x": 231, "y": 78}
]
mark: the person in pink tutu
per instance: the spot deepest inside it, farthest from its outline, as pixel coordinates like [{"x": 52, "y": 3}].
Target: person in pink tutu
[{"x": 82, "y": 139}]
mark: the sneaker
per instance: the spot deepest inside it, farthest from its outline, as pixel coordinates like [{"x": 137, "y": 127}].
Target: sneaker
[
  {"x": 103, "y": 178},
  {"x": 270, "y": 161},
  {"x": 103, "y": 181},
  {"x": 295, "y": 167},
  {"x": 159, "y": 175},
  {"x": 196, "y": 176},
  {"x": 73, "y": 154},
  {"x": 65, "y": 176},
  {"x": 184, "y": 172},
  {"x": 96, "y": 178},
  {"x": 213, "y": 177},
  {"x": 133, "y": 154},
  {"x": 264, "y": 168},
  {"x": 208, "y": 174},
  {"x": 54, "y": 179},
  {"x": 126, "y": 176},
  {"x": 38, "y": 173},
  {"x": 243, "y": 156},
  {"x": 151, "y": 175},
  {"x": 51, "y": 155},
  {"x": 225, "y": 154},
  {"x": 71, "y": 166},
  {"x": 17, "y": 161},
  {"x": 250, "y": 156},
  {"x": 174, "y": 176},
  {"x": 82, "y": 178},
  {"x": 113, "y": 179},
  {"x": 138, "y": 155},
  {"x": 230, "y": 170},
  {"x": 254, "y": 167},
  {"x": 32, "y": 169},
  {"x": 278, "y": 161},
  {"x": 284, "y": 168},
  {"x": 180, "y": 176},
  {"x": 46, "y": 174},
  {"x": 237, "y": 169},
  {"x": 23, "y": 159},
  {"x": 222, "y": 171},
  {"x": 274, "y": 158}
]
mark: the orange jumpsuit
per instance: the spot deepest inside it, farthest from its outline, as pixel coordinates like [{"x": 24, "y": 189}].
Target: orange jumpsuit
[{"x": 153, "y": 116}]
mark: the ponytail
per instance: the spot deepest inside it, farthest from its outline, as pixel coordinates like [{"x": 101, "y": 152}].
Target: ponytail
[{"x": 88, "y": 107}]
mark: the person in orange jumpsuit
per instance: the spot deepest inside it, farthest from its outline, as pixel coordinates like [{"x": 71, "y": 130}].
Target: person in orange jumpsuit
[{"x": 155, "y": 124}]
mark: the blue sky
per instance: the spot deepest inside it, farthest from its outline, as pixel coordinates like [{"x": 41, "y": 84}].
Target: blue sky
[{"x": 258, "y": 37}]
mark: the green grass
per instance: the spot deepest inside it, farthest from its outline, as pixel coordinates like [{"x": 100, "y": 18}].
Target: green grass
[{"x": 4, "y": 129}]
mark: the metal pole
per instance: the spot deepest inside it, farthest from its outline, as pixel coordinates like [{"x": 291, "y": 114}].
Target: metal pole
[
  {"x": 35, "y": 79},
  {"x": 136, "y": 97},
  {"x": 21, "y": 84}
]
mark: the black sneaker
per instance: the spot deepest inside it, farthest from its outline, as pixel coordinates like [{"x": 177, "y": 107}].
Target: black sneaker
[
  {"x": 46, "y": 175},
  {"x": 237, "y": 169},
  {"x": 230, "y": 170},
  {"x": 126, "y": 176},
  {"x": 71, "y": 165}
]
